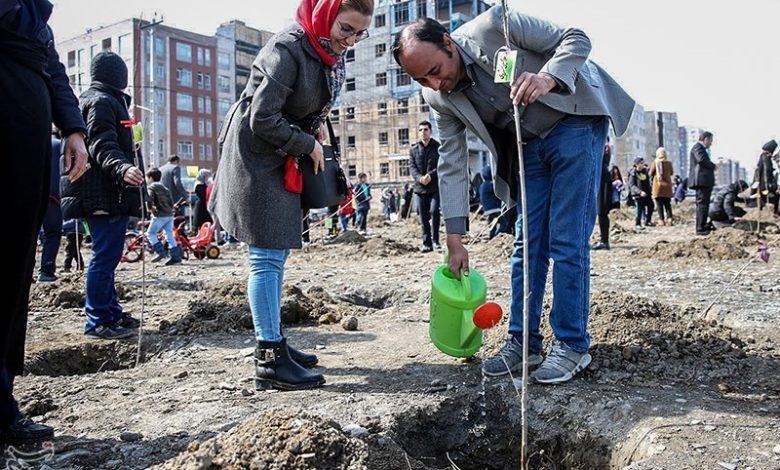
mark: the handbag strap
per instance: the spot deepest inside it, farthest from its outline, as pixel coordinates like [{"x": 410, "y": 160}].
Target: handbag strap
[{"x": 334, "y": 141}]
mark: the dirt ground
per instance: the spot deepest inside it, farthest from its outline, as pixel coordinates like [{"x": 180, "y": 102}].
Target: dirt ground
[{"x": 670, "y": 387}]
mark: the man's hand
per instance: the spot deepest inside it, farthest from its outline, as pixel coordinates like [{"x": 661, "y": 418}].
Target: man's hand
[
  {"x": 133, "y": 176},
  {"x": 642, "y": 194},
  {"x": 318, "y": 157},
  {"x": 75, "y": 153},
  {"x": 425, "y": 180},
  {"x": 458, "y": 255},
  {"x": 530, "y": 86},
  {"x": 322, "y": 133}
]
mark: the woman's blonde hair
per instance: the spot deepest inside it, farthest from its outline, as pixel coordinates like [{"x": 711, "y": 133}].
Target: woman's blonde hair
[
  {"x": 364, "y": 7},
  {"x": 660, "y": 154}
]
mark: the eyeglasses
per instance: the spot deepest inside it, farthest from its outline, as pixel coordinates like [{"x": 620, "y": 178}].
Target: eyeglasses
[{"x": 348, "y": 31}]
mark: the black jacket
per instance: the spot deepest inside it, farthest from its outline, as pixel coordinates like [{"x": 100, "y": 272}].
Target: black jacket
[
  {"x": 639, "y": 181},
  {"x": 102, "y": 191},
  {"x": 765, "y": 173},
  {"x": 423, "y": 161},
  {"x": 723, "y": 208},
  {"x": 701, "y": 173}
]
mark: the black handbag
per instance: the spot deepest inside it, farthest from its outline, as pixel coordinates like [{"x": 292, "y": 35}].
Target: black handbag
[{"x": 329, "y": 187}]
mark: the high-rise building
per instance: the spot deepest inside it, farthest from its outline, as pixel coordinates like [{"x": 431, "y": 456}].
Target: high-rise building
[
  {"x": 661, "y": 130},
  {"x": 380, "y": 106},
  {"x": 172, "y": 85},
  {"x": 633, "y": 143}
]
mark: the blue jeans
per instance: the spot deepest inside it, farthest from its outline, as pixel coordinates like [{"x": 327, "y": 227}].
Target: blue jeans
[
  {"x": 344, "y": 221},
  {"x": 51, "y": 234},
  {"x": 266, "y": 275},
  {"x": 161, "y": 223},
  {"x": 562, "y": 177},
  {"x": 108, "y": 242},
  {"x": 362, "y": 219}
]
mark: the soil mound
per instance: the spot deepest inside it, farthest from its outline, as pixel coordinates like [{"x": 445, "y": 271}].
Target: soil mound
[
  {"x": 225, "y": 309},
  {"x": 384, "y": 247},
  {"x": 276, "y": 440},
  {"x": 723, "y": 244},
  {"x": 350, "y": 237},
  {"x": 500, "y": 246},
  {"x": 67, "y": 292}
]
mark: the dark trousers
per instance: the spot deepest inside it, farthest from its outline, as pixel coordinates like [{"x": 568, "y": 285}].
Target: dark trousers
[
  {"x": 644, "y": 210},
  {"x": 108, "y": 241},
  {"x": 51, "y": 234},
  {"x": 604, "y": 228},
  {"x": 25, "y": 126},
  {"x": 73, "y": 251},
  {"x": 664, "y": 207},
  {"x": 362, "y": 219},
  {"x": 428, "y": 205},
  {"x": 702, "y": 208}
]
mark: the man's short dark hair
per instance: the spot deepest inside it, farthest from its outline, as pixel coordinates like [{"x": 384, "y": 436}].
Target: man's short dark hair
[
  {"x": 424, "y": 29},
  {"x": 705, "y": 135},
  {"x": 362, "y": 175},
  {"x": 173, "y": 159},
  {"x": 154, "y": 173},
  {"x": 426, "y": 124}
]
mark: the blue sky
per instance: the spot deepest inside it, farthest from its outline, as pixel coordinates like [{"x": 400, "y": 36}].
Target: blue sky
[{"x": 717, "y": 64}]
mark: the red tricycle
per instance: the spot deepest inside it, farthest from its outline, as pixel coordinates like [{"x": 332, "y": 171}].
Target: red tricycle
[{"x": 201, "y": 246}]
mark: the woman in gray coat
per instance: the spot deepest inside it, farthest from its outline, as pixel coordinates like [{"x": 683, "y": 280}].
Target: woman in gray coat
[{"x": 295, "y": 80}]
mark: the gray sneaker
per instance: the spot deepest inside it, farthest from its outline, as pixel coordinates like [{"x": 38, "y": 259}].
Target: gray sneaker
[
  {"x": 561, "y": 364},
  {"x": 511, "y": 354}
]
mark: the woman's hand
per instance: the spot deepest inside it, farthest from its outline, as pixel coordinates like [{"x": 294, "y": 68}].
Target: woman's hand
[
  {"x": 318, "y": 157},
  {"x": 322, "y": 134}
]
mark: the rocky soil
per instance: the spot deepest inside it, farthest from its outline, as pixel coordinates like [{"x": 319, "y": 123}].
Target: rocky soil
[{"x": 670, "y": 386}]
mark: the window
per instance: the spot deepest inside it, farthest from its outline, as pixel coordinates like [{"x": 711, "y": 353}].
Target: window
[
  {"x": 207, "y": 81},
  {"x": 71, "y": 58},
  {"x": 125, "y": 46},
  {"x": 207, "y": 57},
  {"x": 424, "y": 108},
  {"x": 80, "y": 58},
  {"x": 381, "y": 79},
  {"x": 223, "y": 83},
  {"x": 380, "y": 49},
  {"x": 201, "y": 151},
  {"x": 208, "y": 106},
  {"x": 380, "y": 21},
  {"x": 401, "y": 13},
  {"x": 159, "y": 98},
  {"x": 351, "y": 112},
  {"x": 403, "y": 106},
  {"x": 183, "y": 102},
  {"x": 106, "y": 44},
  {"x": 223, "y": 106},
  {"x": 184, "y": 149},
  {"x": 209, "y": 153},
  {"x": 383, "y": 138},
  {"x": 160, "y": 147},
  {"x": 384, "y": 169},
  {"x": 350, "y": 84},
  {"x": 403, "y": 136},
  {"x": 201, "y": 127},
  {"x": 159, "y": 72},
  {"x": 381, "y": 108},
  {"x": 352, "y": 171},
  {"x": 183, "y": 77},
  {"x": 350, "y": 56},
  {"x": 159, "y": 47},
  {"x": 159, "y": 123},
  {"x": 200, "y": 80},
  {"x": 184, "y": 125},
  {"x": 403, "y": 168},
  {"x": 183, "y": 52},
  {"x": 223, "y": 61},
  {"x": 92, "y": 51},
  {"x": 422, "y": 8},
  {"x": 200, "y": 56},
  {"x": 209, "y": 128},
  {"x": 351, "y": 141},
  {"x": 201, "y": 104},
  {"x": 402, "y": 78},
  {"x": 334, "y": 115}
]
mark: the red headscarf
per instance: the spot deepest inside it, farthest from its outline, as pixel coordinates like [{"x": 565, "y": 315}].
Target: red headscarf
[{"x": 317, "y": 18}]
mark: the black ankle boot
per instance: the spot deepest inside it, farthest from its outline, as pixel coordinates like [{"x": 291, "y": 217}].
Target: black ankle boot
[
  {"x": 23, "y": 429},
  {"x": 275, "y": 369},
  {"x": 307, "y": 360}
]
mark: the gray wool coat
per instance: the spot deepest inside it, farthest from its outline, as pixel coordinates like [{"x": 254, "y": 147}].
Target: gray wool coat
[{"x": 288, "y": 84}]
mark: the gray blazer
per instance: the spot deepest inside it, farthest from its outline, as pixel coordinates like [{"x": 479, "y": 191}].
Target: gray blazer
[
  {"x": 542, "y": 47},
  {"x": 287, "y": 85},
  {"x": 171, "y": 179}
]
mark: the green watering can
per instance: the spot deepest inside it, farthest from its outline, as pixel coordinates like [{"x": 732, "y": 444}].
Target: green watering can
[{"x": 457, "y": 308}]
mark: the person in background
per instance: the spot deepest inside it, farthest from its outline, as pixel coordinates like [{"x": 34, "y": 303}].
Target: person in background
[
  {"x": 491, "y": 205},
  {"x": 609, "y": 197},
  {"x": 406, "y": 200},
  {"x": 679, "y": 189},
  {"x": 723, "y": 209},
  {"x": 765, "y": 176},
  {"x": 701, "y": 177},
  {"x": 171, "y": 179},
  {"x": 346, "y": 209},
  {"x": 161, "y": 207},
  {"x": 51, "y": 229},
  {"x": 423, "y": 160},
  {"x": 388, "y": 202},
  {"x": 639, "y": 185},
  {"x": 661, "y": 174},
  {"x": 73, "y": 230},
  {"x": 200, "y": 209},
  {"x": 218, "y": 239},
  {"x": 363, "y": 201},
  {"x": 108, "y": 195},
  {"x": 295, "y": 81}
]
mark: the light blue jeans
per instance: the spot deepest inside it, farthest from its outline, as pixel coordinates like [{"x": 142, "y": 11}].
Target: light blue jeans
[
  {"x": 266, "y": 275},
  {"x": 161, "y": 223},
  {"x": 562, "y": 177}
]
